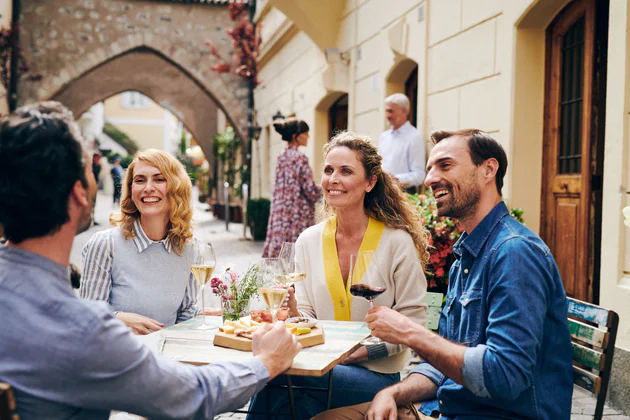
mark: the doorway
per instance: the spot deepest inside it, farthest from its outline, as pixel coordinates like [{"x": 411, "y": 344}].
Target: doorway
[{"x": 573, "y": 144}]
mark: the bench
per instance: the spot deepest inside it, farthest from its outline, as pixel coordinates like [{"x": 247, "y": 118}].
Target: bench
[
  {"x": 593, "y": 334},
  {"x": 7, "y": 403}
]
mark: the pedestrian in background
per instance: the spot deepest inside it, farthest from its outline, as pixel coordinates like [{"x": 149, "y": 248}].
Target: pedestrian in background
[
  {"x": 401, "y": 146},
  {"x": 96, "y": 170},
  {"x": 117, "y": 175},
  {"x": 294, "y": 193}
]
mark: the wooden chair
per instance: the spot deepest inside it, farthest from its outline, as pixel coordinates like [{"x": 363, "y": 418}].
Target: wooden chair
[
  {"x": 593, "y": 339},
  {"x": 434, "y": 300},
  {"x": 7, "y": 403}
]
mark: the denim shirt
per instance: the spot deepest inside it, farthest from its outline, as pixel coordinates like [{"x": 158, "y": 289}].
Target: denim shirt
[{"x": 507, "y": 304}]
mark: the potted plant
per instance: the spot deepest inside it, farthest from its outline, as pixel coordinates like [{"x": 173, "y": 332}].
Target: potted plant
[{"x": 258, "y": 217}]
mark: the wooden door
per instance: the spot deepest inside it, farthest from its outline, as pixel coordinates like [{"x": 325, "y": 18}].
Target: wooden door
[
  {"x": 338, "y": 116},
  {"x": 572, "y": 142},
  {"x": 411, "y": 90}
]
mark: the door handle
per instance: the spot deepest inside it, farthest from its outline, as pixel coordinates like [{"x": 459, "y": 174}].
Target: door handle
[{"x": 564, "y": 185}]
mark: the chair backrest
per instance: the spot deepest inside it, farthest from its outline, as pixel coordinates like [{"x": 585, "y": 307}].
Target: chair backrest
[
  {"x": 7, "y": 403},
  {"x": 434, "y": 300},
  {"x": 593, "y": 338}
]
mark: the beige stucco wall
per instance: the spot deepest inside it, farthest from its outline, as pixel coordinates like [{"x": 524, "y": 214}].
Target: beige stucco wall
[
  {"x": 481, "y": 63},
  {"x": 151, "y": 127}
]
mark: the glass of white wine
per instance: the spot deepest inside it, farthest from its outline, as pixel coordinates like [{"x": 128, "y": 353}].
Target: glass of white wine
[
  {"x": 273, "y": 291},
  {"x": 292, "y": 270},
  {"x": 202, "y": 262}
]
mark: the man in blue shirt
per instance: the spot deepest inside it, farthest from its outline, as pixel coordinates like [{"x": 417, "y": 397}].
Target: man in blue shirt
[
  {"x": 505, "y": 350},
  {"x": 71, "y": 358}
]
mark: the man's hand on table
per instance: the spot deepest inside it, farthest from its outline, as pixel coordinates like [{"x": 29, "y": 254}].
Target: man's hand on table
[
  {"x": 390, "y": 325},
  {"x": 140, "y": 325},
  {"x": 276, "y": 347}
]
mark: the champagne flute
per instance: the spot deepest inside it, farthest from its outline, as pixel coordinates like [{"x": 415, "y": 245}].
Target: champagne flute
[
  {"x": 202, "y": 261},
  {"x": 272, "y": 290},
  {"x": 366, "y": 281},
  {"x": 292, "y": 270}
]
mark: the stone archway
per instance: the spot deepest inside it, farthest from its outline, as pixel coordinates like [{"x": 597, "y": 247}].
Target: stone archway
[
  {"x": 168, "y": 85},
  {"x": 87, "y": 51}
]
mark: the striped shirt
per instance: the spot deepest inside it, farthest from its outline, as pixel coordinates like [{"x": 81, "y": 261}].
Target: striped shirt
[{"x": 139, "y": 275}]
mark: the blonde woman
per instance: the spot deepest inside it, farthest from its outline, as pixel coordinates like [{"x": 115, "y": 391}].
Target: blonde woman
[
  {"x": 368, "y": 212},
  {"x": 140, "y": 266}
]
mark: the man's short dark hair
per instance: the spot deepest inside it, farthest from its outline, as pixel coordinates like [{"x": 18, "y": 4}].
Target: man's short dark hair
[
  {"x": 481, "y": 146},
  {"x": 41, "y": 158}
]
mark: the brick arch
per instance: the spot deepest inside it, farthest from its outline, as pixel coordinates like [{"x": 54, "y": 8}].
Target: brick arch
[
  {"x": 87, "y": 50},
  {"x": 167, "y": 85}
]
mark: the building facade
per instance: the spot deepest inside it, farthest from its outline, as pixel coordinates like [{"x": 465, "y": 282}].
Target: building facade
[{"x": 548, "y": 78}]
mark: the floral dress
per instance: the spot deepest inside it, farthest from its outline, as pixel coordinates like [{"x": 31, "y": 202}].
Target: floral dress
[{"x": 293, "y": 203}]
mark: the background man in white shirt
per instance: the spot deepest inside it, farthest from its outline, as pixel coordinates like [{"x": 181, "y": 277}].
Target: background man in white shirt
[{"x": 401, "y": 146}]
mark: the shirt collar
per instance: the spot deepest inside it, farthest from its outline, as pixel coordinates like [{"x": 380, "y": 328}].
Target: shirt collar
[
  {"x": 399, "y": 129},
  {"x": 142, "y": 241},
  {"x": 478, "y": 237},
  {"x": 21, "y": 256}
]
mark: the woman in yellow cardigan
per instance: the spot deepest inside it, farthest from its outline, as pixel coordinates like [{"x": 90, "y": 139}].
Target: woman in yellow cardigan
[{"x": 368, "y": 211}]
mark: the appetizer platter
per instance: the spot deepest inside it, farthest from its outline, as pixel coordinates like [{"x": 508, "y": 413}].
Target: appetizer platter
[{"x": 238, "y": 334}]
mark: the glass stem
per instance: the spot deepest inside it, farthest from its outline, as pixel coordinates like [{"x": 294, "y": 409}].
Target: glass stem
[{"x": 203, "y": 306}]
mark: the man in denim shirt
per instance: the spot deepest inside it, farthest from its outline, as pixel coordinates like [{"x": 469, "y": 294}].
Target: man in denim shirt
[{"x": 505, "y": 349}]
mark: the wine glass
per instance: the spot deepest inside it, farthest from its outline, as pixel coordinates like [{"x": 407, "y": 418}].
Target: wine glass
[
  {"x": 272, "y": 290},
  {"x": 202, "y": 261},
  {"x": 366, "y": 281},
  {"x": 292, "y": 270}
]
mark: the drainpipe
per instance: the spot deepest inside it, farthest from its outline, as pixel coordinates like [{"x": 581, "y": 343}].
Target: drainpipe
[
  {"x": 250, "y": 123},
  {"x": 15, "y": 41}
]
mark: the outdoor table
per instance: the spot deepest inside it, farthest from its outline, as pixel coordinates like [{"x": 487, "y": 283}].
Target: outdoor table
[{"x": 195, "y": 347}]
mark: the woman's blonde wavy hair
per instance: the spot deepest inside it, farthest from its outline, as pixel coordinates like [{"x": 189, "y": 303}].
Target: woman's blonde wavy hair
[
  {"x": 386, "y": 202},
  {"x": 178, "y": 191}
]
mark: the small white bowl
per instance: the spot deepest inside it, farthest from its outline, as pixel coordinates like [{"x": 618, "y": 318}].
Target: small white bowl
[{"x": 311, "y": 322}]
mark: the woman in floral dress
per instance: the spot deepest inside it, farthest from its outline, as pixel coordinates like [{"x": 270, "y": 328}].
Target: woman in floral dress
[{"x": 295, "y": 193}]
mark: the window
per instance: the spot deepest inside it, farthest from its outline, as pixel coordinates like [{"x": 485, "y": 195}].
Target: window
[{"x": 134, "y": 100}]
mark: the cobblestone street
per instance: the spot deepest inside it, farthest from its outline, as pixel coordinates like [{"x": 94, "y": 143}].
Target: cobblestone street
[{"x": 231, "y": 248}]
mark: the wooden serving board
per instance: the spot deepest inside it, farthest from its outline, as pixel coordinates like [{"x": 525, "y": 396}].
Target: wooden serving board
[{"x": 221, "y": 339}]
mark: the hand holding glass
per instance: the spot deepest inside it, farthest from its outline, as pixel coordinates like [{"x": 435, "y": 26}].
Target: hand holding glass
[
  {"x": 273, "y": 291},
  {"x": 292, "y": 270},
  {"x": 202, "y": 263},
  {"x": 366, "y": 281}
]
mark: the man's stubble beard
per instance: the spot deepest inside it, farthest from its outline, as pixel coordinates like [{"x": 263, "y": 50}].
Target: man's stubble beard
[{"x": 466, "y": 204}]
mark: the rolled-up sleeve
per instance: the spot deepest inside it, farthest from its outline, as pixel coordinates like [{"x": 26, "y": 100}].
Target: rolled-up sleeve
[
  {"x": 428, "y": 370},
  {"x": 518, "y": 296},
  {"x": 98, "y": 256}
]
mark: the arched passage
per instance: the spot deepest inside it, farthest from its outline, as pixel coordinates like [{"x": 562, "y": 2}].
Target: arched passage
[
  {"x": 403, "y": 78},
  {"x": 156, "y": 77}
]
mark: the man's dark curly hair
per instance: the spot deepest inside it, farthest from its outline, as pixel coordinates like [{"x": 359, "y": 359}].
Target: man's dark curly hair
[{"x": 41, "y": 158}]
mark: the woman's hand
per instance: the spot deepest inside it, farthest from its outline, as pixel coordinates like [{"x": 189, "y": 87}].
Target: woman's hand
[
  {"x": 140, "y": 325},
  {"x": 291, "y": 303},
  {"x": 360, "y": 355}
]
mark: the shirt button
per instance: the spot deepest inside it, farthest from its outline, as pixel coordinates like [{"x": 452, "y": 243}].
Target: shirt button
[
  {"x": 342, "y": 303},
  {"x": 465, "y": 271},
  {"x": 440, "y": 402}
]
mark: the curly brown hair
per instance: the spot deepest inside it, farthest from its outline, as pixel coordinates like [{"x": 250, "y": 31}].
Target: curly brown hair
[
  {"x": 386, "y": 202},
  {"x": 179, "y": 191}
]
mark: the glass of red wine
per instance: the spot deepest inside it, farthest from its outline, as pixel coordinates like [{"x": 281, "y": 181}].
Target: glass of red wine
[{"x": 367, "y": 282}]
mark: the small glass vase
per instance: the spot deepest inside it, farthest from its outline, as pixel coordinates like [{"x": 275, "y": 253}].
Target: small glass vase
[{"x": 233, "y": 310}]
